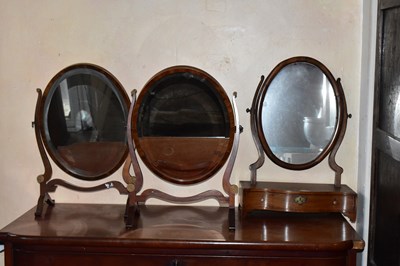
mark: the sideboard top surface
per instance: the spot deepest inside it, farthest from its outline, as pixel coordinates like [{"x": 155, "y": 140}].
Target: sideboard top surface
[{"x": 182, "y": 226}]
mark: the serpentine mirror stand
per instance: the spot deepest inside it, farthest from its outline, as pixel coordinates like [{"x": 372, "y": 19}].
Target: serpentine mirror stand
[
  {"x": 176, "y": 157},
  {"x": 88, "y": 107},
  {"x": 261, "y": 158},
  {"x": 48, "y": 185},
  {"x": 297, "y": 197}
]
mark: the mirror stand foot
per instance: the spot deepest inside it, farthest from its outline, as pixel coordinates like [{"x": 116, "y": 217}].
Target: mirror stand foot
[
  {"x": 231, "y": 219},
  {"x": 50, "y": 202},
  {"x": 131, "y": 213},
  {"x": 43, "y": 199}
]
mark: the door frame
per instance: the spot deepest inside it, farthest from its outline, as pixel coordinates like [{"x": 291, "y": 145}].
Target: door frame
[{"x": 368, "y": 57}]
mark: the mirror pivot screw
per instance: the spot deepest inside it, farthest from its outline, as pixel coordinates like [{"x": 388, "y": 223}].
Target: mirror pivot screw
[
  {"x": 40, "y": 179},
  {"x": 130, "y": 187},
  {"x": 234, "y": 189}
]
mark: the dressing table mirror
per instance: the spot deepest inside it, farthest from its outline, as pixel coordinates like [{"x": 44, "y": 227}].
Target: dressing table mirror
[
  {"x": 80, "y": 120},
  {"x": 184, "y": 129},
  {"x": 298, "y": 118}
]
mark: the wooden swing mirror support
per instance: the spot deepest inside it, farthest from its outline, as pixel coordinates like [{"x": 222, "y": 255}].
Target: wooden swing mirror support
[
  {"x": 80, "y": 120},
  {"x": 184, "y": 129},
  {"x": 298, "y": 117}
]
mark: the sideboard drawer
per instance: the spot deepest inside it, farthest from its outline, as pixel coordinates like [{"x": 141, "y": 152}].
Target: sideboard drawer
[{"x": 43, "y": 258}]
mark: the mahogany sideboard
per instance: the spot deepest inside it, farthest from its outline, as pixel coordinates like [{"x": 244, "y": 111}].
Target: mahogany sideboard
[{"x": 90, "y": 234}]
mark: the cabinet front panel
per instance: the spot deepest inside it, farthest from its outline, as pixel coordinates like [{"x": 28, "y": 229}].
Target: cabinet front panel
[{"x": 23, "y": 258}]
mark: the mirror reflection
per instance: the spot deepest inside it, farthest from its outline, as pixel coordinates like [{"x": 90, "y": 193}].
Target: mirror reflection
[
  {"x": 183, "y": 128},
  {"x": 84, "y": 123},
  {"x": 299, "y": 113},
  {"x": 182, "y": 105}
]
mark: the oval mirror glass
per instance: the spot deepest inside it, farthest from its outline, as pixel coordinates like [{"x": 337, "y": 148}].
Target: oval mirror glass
[
  {"x": 298, "y": 113},
  {"x": 183, "y": 125},
  {"x": 84, "y": 121}
]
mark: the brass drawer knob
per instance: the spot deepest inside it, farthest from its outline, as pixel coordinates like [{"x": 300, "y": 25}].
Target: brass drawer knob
[{"x": 300, "y": 200}]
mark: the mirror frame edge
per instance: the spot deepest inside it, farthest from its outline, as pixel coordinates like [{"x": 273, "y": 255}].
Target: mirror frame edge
[
  {"x": 340, "y": 120},
  {"x": 224, "y": 97},
  {"x": 41, "y": 123}
]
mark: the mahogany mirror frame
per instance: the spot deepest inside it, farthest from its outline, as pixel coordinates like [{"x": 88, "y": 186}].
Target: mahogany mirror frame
[
  {"x": 47, "y": 184},
  {"x": 136, "y": 196},
  {"x": 330, "y": 149},
  {"x": 298, "y": 197},
  {"x": 211, "y": 83}
]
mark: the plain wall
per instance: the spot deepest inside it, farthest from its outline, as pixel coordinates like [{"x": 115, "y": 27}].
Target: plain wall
[{"x": 234, "y": 41}]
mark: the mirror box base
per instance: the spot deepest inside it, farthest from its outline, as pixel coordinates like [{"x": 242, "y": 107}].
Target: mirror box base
[{"x": 297, "y": 197}]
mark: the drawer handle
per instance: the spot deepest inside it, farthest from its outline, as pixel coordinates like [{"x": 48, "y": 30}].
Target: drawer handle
[{"x": 300, "y": 200}]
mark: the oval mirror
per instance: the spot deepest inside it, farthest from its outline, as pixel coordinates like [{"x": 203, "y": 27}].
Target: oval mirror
[
  {"x": 183, "y": 125},
  {"x": 84, "y": 121},
  {"x": 298, "y": 113}
]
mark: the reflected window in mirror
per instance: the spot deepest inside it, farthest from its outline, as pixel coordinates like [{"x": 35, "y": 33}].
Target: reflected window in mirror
[
  {"x": 84, "y": 122},
  {"x": 298, "y": 118},
  {"x": 299, "y": 113},
  {"x": 80, "y": 120}
]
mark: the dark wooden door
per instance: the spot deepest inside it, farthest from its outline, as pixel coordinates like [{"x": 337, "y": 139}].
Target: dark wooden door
[{"x": 384, "y": 242}]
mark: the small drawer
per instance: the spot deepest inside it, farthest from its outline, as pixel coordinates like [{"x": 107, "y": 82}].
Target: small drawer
[{"x": 303, "y": 199}]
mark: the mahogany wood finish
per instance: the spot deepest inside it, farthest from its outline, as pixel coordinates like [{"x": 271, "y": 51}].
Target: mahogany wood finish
[
  {"x": 43, "y": 136},
  {"x": 148, "y": 147},
  {"x": 193, "y": 156},
  {"x": 298, "y": 197},
  {"x": 95, "y": 151},
  {"x": 89, "y": 234},
  {"x": 175, "y": 152},
  {"x": 80, "y": 160},
  {"x": 340, "y": 127}
]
